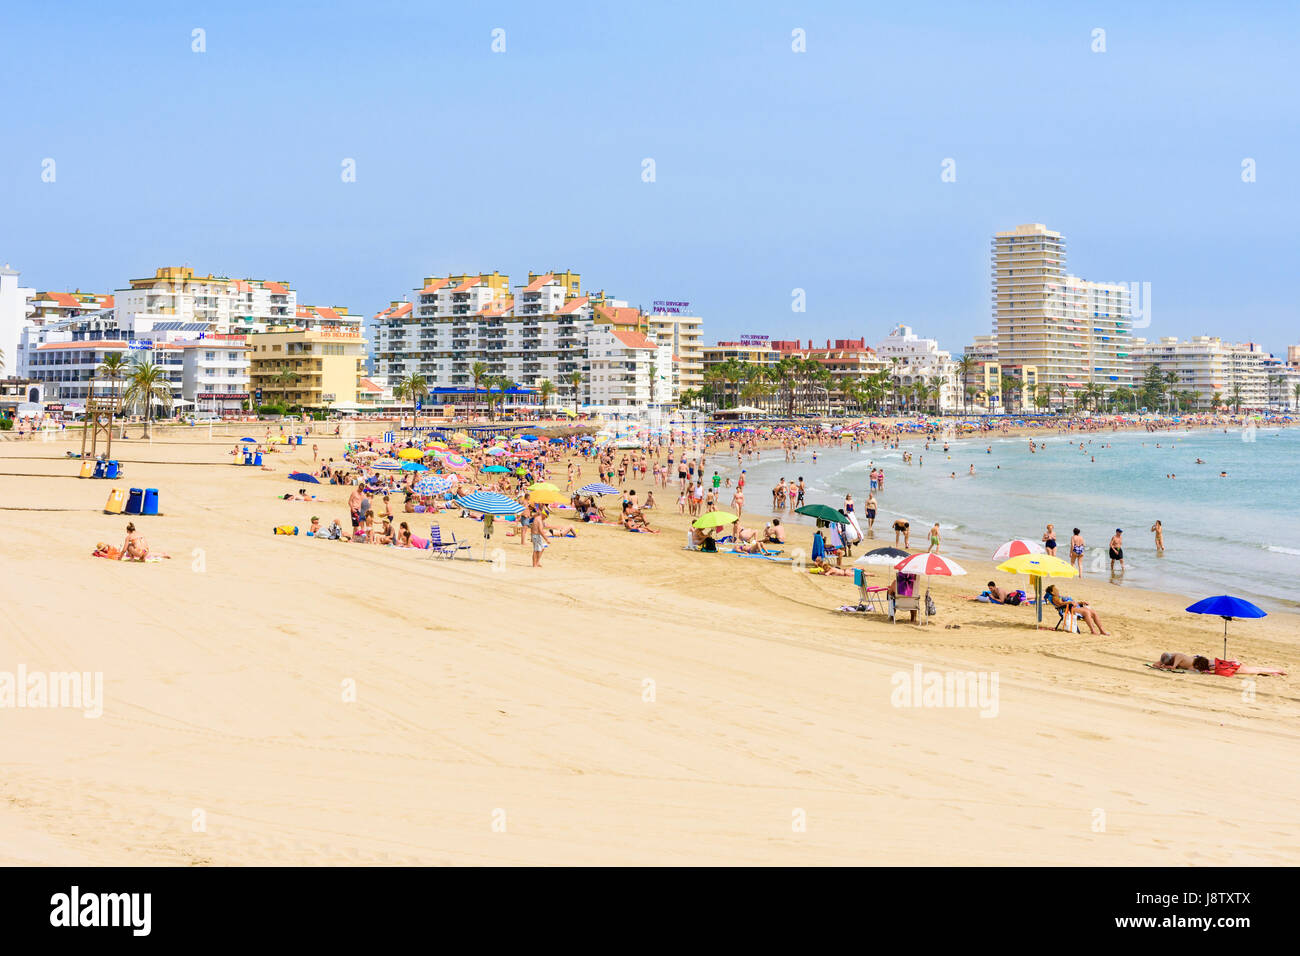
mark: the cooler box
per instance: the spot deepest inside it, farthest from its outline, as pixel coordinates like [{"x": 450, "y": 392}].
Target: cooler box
[
  {"x": 248, "y": 458},
  {"x": 87, "y": 469},
  {"x": 135, "y": 501},
  {"x": 150, "y": 502},
  {"x": 116, "y": 502},
  {"x": 112, "y": 469}
]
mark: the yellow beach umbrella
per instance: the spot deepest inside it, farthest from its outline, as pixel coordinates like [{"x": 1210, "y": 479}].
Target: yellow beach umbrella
[
  {"x": 715, "y": 519},
  {"x": 1038, "y": 566},
  {"x": 547, "y": 496},
  {"x": 414, "y": 454}
]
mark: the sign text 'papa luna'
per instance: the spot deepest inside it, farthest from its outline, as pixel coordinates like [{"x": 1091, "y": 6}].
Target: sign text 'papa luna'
[{"x": 667, "y": 307}]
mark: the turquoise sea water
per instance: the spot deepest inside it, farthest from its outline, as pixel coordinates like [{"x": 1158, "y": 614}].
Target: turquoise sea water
[{"x": 1237, "y": 535}]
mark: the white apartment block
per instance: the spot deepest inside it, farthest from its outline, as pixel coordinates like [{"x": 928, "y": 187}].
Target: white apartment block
[
  {"x": 628, "y": 370},
  {"x": 14, "y": 310},
  {"x": 1053, "y": 328},
  {"x": 214, "y": 375},
  {"x": 224, "y": 305},
  {"x": 914, "y": 359},
  {"x": 1209, "y": 366},
  {"x": 541, "y": 332},
  {"x": 685, "y": 335}
]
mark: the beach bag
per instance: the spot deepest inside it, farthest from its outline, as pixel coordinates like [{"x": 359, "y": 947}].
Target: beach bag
[
  {"x": 1226, "y": 668},
  {"x": 930, "y": 609},
  {"x": 709, "y": 545},
  {"x": 1013, "y": 597}
]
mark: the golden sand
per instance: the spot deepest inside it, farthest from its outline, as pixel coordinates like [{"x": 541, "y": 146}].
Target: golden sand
[{"x": 629, "y": 702}]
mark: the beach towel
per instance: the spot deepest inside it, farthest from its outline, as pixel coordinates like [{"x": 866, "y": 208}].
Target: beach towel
[
  {"x": 113, "y": 554},
  {"x": 286, "y": 529}
]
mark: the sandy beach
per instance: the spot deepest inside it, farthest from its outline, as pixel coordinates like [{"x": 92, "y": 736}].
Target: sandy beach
[{"x": 276, "y": 699}]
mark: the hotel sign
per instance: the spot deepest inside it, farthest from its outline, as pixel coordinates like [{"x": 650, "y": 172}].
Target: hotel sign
[
  {"x": 755, "y": 339},
  {"x": 667, "y": 307}
]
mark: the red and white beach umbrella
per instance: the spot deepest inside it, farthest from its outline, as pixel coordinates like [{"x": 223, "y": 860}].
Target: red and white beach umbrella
[
  {"x": 929, "y": 564},
  {"x": 1014, "y": 549}
]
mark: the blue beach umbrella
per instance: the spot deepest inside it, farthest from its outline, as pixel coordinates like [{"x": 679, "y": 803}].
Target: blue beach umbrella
[
  {"x": 304, "y": 477},
  {"x": 413, "y": 466},
  {"x": 387, "y": 464},
  {"x": 434, "y": 484},
  {"x": 1227, "y": 607},
  {"x": 596, "y": 488},
  {"x": 496, "y": 469}
]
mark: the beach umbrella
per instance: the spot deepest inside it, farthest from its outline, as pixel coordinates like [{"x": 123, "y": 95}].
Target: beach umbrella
[
  {"x": 1038, "y": 566},
  {"x": 304, "y": 477},
  {"x": 496, "y": 451},
  {"x": 822, "y": 513},
  {"x": 454, "y": 460},
  {"x": 596, "y": 488},
  {"x": 1013, "y": 549},
  {"x": 413, "y": 466},
  {"x": 889, "y": 556},
  {"x": 928, "y": 564},
  {"x": 490, "y": 503},
  {"x": 387, "y": 464},
  {"x": 714, "y": 519},
  {"x": 435, "y": 484},
  {"x": 413, "y": 454},
  {"x": 1227, "y": 607},
  {"x": 254, "y": 440},
  {"x": 496, "y": 469},
  {"x": 548, "y": 496}
]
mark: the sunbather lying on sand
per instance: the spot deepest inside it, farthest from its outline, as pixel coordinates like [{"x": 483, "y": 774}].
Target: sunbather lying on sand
[
  {"x": 1176, "y": 660},
  {"x": 828, "y": 568}
]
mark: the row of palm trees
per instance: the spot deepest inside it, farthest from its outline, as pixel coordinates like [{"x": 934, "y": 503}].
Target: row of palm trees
[{"x": 414, "y": 387}]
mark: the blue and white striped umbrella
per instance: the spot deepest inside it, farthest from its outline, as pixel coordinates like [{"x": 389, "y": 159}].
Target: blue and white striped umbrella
[
  {"x": 434, "y": 484},
  {"x": 490, "y": 503},
  {"x": 387, "y": 464},
  {"x": 596, "y": 488}
]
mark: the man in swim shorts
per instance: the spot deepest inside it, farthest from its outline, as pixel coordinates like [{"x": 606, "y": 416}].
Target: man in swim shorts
[
  {"x": 538, "y": 529},
  {"x": 1117, "y": 550}
]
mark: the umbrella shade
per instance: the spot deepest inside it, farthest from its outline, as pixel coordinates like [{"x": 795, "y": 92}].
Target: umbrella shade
[
  {"x": 1013, "y": 549},
  {"x": 456, "y": 461},
  {"x": 490, "y": 503},
  {"x": 413, "y": 466},
  {"x": 365, "y": 454},
  {"x": 823, "y": 513},
  {"x": 715, "y": 519},
  {"x": 596, "y": 488},
  {"x": 889, "y": 556},
  {"x": 1038, "y": 565},
  {"x": 1227, "y": 607},
  {"x": 496, "y": 469},
  {"x": 248, "y": 439},
  {"x": 303, "y": 477},
  {"x": 435, "y": 484},
  {"x": 548, "y": 496},
  {"x": 387, "y": 464},
  {"x": 414, "y": 454},
  {"x": 496, "y": 451},
  {"x": 557, "y": 441},
  {"x": 542, "y": 486},
  {"x": 928, "y": 564}
]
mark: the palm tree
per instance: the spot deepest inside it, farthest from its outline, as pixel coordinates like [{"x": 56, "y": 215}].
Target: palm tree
[
  {"x": 148, "y": 383},
  {"x": 413, "y": 387},
  {"x": 546, "y": 389},
  {"x": 575, "y": 383},
  {"x": 114, "y": 367},
  {"x": 478, "y": 371},
  {"x": 1235, "y": 394},
  {"x": 1007, "y": 388},
  {"x": 1171, "y": 379},
  {"x": 1216, "y": 400},
  {"x": 1295, "y": 392},
  {"x": 285, "y": 379},
  {"x": 965, "y": 366}
]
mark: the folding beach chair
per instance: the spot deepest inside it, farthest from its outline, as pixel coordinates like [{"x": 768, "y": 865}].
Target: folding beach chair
[
  {"x": 443, "y": 549},
  {"x": 869, "y": 597},
  {"x": 1066, "y": 622},
  {"x": 906, "y": 600}
]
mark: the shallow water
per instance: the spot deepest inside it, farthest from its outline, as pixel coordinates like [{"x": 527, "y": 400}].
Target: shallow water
[{"x": 1236, "y": 535}]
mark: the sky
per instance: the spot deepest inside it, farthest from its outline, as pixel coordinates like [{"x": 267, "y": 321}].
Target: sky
[{"x": 774, "y": 169}]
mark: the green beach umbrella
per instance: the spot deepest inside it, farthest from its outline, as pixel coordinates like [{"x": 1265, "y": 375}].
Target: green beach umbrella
[
  {"x": 715, "y": 519},
  {"x": 822, "y": 513}
]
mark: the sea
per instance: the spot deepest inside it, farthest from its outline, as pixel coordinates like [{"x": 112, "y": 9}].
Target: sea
[{"x": 1237, "y": 533}]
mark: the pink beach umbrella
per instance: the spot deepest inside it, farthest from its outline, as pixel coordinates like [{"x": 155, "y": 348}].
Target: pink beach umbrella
[
  {"x": 929, "y": 564},
  {"x": 1013, "y": 549}
]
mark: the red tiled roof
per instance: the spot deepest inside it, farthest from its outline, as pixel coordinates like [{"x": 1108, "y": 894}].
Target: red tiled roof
[
  {"x": 633, "y": 340},
  {"x": 573, "y": 305},
  {"x": 435, "y": 286},
  {"x": 467, "y": 285},
  {"x": 537, "y": 283},
  {"x": 107, "y": 301},
  {"x": 625, "y": 315},
  {"x": 275, "y": 287},
  {"x": 500, "y": 308},
  {"x": 394, "y": 311},
  {"x": 325, "y": 312},
  {"x": 110, "y": 344},
  {"x": 365, "y": 385}
]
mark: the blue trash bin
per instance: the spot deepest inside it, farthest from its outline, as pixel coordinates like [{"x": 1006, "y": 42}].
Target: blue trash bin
[
  {"x": 112, "y": 469},
  {"x": 248, "y": 458},
  {"x": 99, "y": 467},
  {"x": 257, "y": 459},
  {"x": 299, "y": 439},
  {"x": 150, "y": 502},
  {"x": 135, "y": 501}
]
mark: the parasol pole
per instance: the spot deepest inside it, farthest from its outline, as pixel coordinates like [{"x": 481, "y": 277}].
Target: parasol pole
[{"x": 1225, "y": 637}]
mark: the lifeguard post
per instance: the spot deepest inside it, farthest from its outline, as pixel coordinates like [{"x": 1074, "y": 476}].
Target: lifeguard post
[{"x": 99, "y": 418}]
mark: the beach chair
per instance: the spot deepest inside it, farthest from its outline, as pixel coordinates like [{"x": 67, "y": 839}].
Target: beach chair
[
  {"x": 438, "y": 548},
  {"x": 1066, "y": 622},
  {"x": 870, "y": 597},
  {"x": 906, "y": 600}
]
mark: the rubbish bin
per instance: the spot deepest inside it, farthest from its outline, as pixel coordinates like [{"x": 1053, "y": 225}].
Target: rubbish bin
[
  {"x": 257, "y": 459},
  {"x": 299, "y": 439},
  {"x": 135, "y": 501},
  {"x": 113, "y": 469},
  {"x": 150, "y": 502},
  {"x": 99, "y": 468}
]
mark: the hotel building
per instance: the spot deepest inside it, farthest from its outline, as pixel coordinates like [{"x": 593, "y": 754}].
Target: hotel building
[
  {"x": 912, "y": 359},
  {"x": 328, "y": 366},
  {"x": 224, "y": 305},
  {"x": 685, "y": 335},
  {"x": 1062, "y": 331},
  {"x": 1208, "y": 366}
]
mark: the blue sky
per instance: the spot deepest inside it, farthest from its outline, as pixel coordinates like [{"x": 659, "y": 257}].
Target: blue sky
[{"x": 774, "y": 170}]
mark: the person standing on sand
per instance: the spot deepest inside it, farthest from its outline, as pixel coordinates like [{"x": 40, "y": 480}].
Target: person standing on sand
[
  {"x": 537, "y": 527},
  {"x": 1076, "y": 551},
  {"x": 1159, "y": 532},
  {"x": 871, "y": 512},
  {"x": 1117, "y": 550}
]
